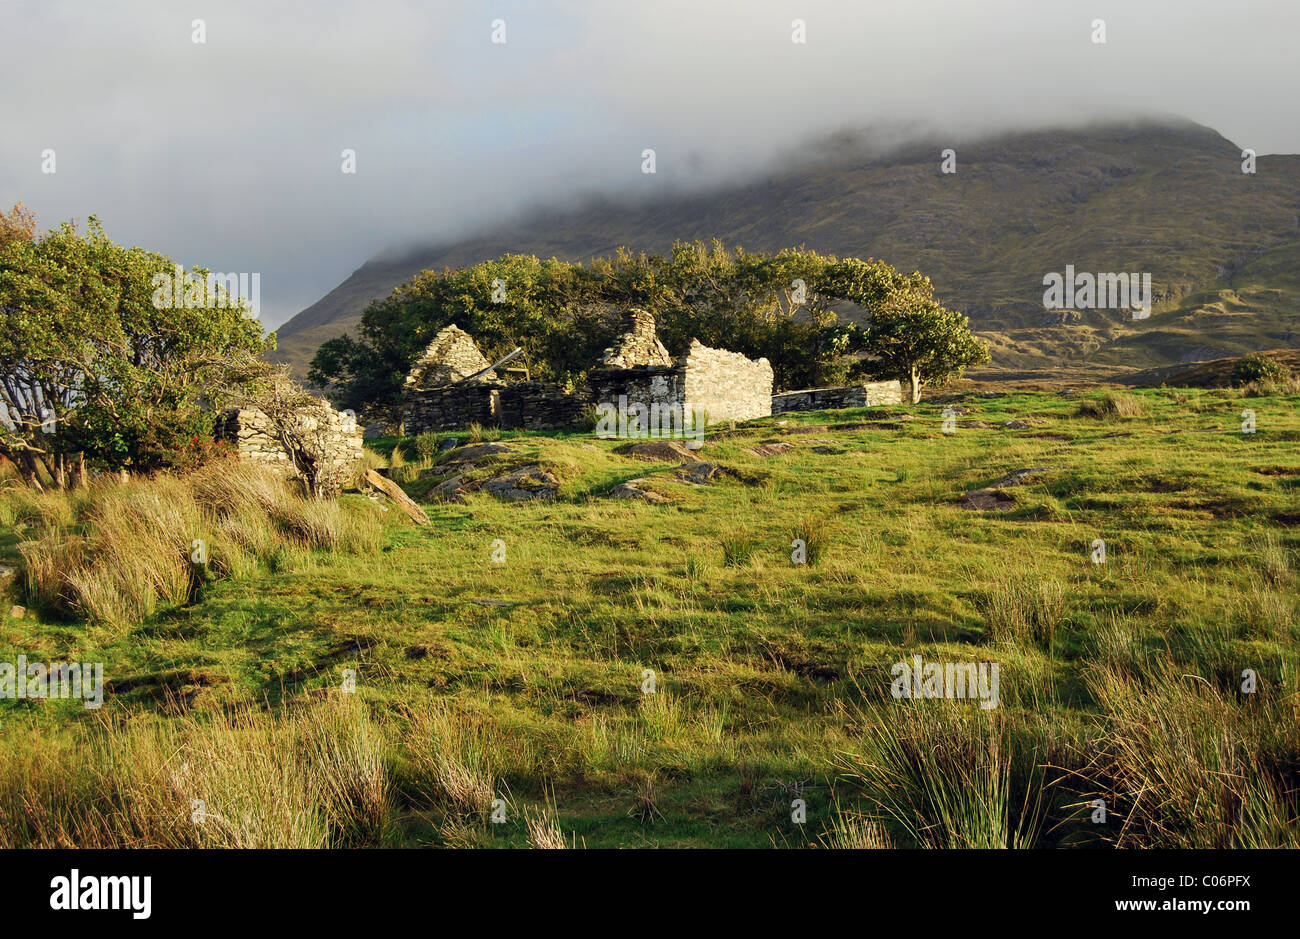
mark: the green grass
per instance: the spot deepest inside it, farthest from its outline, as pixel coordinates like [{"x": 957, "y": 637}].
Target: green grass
[{"x": 522, "y": 682}]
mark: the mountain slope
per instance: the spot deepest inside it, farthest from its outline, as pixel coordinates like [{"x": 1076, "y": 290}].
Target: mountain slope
[{"x": 1169, "y": 199}]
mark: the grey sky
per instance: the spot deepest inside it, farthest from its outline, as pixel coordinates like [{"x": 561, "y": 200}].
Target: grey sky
[{"x": 227, "y": 154}]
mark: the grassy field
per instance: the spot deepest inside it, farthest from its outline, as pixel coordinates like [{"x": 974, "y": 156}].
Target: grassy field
[{"x": 517, "y": 689}]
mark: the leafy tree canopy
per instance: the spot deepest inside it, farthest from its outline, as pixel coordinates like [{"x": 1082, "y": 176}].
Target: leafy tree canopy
[
  {"x": 90, "y": 365},
  {"x": 913, "y": 338},
  {"x": 786, "y": 307}
]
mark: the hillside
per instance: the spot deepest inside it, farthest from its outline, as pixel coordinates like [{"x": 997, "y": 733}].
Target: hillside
[
  {"x": 522, "y": 682},
  {"x": 1222, "y": 247}
]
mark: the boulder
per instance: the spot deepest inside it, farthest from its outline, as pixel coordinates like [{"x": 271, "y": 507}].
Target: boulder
[
  {"x": 527, "y": 482},
  {"x": 660, "y": 451},
  {"x": 632, "y": 490},
  {"x": 450, "y": 490},
  {"x": 699, "y": 472}
]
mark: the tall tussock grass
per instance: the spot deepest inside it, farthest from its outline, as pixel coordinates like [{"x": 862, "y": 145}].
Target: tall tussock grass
[
  {"x": 1203, "y": 767},
  {"x": 312, "y": 778},
  {"x": 453, "y": 767},
  {"x": 1111, "y": 406},
  {"x": 1024, "y": 609},
  {"x": 119, "y": 552},
  {"x": 950, "y": 776},
  {"x": 851, "y": 832}
]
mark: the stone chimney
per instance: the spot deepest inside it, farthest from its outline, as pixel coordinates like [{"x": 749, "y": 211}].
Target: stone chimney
[{"x": 637, "y": 345}]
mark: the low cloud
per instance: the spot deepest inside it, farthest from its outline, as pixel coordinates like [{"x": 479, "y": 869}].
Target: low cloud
[{"x": 228, "y": 153}]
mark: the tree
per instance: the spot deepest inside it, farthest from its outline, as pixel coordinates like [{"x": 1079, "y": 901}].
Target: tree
[
  {"x": 914, "y": 339},
  {"x": 18, "y": 224},
  {"x": 90, "y": 364},
  {"x": 782, "y": 307}
]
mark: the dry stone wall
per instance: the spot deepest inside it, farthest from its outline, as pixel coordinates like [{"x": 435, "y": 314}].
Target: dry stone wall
[
  {"x": 534, "y": 404},
  {"x": 871, "y": 394},
  {"x": 249, "y": 432},
  {"x": 644, "y": 384},
  {"x": 726, "y": 385}
]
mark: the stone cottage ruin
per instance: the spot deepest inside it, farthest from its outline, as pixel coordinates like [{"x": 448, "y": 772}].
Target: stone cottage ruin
[
  {"x": 249, "y": 432},
  {"x": 723, "y": 385},
  {"x": 451, "y": 384}
]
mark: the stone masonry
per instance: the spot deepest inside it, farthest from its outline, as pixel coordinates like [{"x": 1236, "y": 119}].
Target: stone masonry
[
  {"x": 724, "y": 385},
  {"x": 249, "y": 431},
  {"x": 727, "y": 386},
  {"x": 535, "y": 404},
  {"x": 869, "y": 395},
  {"x": 452, "y": 356},
  {"x": 638, "y": 344}
]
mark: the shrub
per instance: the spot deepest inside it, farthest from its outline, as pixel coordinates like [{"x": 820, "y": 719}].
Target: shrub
[
  {"x": 588, "y": 420},
  {"x": 1264, "y": 388},
  {"x": 425, "y": 445},
  {"x": 1259, "y": 369}
]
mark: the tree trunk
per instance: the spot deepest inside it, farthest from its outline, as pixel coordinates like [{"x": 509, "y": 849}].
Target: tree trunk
[
  {"x": 29, "y": 470},
  {"x": 916, "y": 386},
  {"x": 79, "y": 471}
]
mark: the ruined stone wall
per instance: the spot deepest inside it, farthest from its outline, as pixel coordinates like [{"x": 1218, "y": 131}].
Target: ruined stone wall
[
  {"x": 533, "y": 404},
  {"x": 540, "y": 405},
  {"x": 645, "y": 384},
  {"x": 249, "y": 432},
  {"x": 637, "y": 345},
  {"x": 726, "y": 385},
  {"x": 450, "y": 408},
  {"x": 871, "y": 394}
]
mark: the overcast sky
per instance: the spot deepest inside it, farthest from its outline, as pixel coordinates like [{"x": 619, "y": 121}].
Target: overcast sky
[{"x": 227, "y": 153}]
